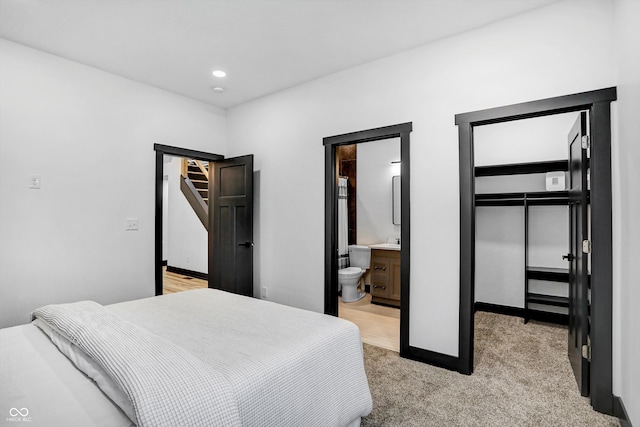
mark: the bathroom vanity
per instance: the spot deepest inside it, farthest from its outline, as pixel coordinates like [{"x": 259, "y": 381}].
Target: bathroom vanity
[{"x": 385, "y": 274}]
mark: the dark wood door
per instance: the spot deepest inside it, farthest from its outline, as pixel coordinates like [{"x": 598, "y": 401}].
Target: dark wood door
[
  {"x": 578, "y": 257},
  {"x": 231, "y": 225}
]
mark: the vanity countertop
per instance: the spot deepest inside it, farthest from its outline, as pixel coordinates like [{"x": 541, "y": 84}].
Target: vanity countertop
[{"x": 386, "y": 246}]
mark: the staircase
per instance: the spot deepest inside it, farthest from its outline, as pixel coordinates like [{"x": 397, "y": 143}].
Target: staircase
[{"x": 194, "y": 184}]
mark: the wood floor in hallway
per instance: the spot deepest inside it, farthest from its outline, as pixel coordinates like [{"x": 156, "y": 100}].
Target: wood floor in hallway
[
  {"x": 379, "y": 325},
  {"x": 174, "y": 282}
]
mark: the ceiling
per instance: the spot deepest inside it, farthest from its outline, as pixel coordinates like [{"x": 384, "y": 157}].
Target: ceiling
[{"x": 265, "y": 46}]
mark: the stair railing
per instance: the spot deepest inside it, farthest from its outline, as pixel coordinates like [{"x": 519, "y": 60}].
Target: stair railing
[
  {"x": 193, "y": 196},
  {"x": 185, "y": 167}
]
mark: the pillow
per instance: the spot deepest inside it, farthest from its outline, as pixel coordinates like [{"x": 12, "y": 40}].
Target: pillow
[{"x": 89, "y": 367}]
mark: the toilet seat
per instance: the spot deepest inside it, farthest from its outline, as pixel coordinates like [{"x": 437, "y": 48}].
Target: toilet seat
[{"x": 350, "y": 271}]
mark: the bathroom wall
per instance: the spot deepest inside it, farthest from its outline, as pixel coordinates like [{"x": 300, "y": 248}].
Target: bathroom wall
[
  {"x": 346, "y": 160},
  {"x": 374, "y": 197}
]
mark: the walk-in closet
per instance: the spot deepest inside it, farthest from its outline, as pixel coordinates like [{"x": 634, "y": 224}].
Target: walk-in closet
[
  {"x": 536, "y": 225},
  {"x": 522, "y": 217}
]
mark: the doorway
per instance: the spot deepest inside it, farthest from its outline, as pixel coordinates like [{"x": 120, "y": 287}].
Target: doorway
[
  {"x": 369, "y": 239},
  {"x": 401, "y": 131},
  {"x": 597, "y": 103},
  {"x": 185, "y": 233},
  {"x": 229, "y": 218}
]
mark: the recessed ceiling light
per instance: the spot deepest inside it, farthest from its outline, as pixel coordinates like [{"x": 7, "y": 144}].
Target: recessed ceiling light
[
  {"x": 219, "y": 73},
  {"x": 217, "y": 89}
]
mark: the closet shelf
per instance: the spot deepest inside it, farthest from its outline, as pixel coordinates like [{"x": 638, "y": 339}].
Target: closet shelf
[
  {"x": 518, "y": 199},
  {"x": 523, "y": 168},
  {"x": 547, "y": 300},
  {"x": 548, "y": 273}
]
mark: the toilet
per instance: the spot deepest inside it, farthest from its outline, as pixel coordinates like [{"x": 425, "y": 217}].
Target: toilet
[{"x": 348, "y": 278}]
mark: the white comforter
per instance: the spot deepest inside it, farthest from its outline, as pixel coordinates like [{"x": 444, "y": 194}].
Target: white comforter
[{"x": 285, "y": 366}]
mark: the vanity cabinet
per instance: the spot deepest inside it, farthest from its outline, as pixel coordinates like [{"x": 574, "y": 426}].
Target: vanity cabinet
[{"x": 385, "y": 277}]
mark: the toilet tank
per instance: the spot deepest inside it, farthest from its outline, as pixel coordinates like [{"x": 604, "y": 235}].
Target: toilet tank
[{"x": 359, "y": 256}]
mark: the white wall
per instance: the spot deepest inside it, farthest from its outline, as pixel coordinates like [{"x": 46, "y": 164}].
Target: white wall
[
  {"x": 521, "y": 141},
  {"x": 529, "y": 57},
  {"x": 500, "y": 255},
  {"x": 90, "y": 136},
  {"x": 500, "y": 258},
  {"x": 626, "y": 209},
  {"x": 500, "y": 262},
  {"x": 188, "y": 239},
  {"x": 374, "y": 204}
]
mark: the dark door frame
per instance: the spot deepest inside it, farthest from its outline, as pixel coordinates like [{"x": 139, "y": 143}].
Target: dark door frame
[
  {"x": 331, "y": 219},
  {"x": 161, "y": 150},
  {"x": 598, "y": 103}
]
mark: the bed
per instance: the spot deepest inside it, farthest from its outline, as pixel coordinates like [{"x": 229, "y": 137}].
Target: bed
[{"x": 200, "y": 357}]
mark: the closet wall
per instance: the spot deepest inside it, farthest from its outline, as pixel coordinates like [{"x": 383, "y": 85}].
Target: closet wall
[{"x": 500, "y": 230}]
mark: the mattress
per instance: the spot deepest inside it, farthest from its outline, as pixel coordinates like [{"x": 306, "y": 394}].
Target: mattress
[
  {"x": 286, "y": 366},
  {"x": 39, "y": 386}
]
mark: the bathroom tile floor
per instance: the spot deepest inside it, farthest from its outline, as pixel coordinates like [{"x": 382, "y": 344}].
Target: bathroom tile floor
[{"x": 379, "y": 325}]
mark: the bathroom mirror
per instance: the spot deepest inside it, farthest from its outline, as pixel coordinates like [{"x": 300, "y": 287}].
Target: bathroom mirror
[{"x": 395, "y": 194}]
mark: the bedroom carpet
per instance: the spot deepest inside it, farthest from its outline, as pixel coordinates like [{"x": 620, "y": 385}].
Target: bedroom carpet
[{"x": 522, "y": 377}]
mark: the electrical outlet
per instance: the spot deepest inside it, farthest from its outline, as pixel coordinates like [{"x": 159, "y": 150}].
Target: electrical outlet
[
  {"x": 131, "y": 224},
  {"x": 264, "y": 292}
]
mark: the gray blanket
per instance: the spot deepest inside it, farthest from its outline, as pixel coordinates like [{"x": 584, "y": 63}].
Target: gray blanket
[{"x": 167, "y": 385}]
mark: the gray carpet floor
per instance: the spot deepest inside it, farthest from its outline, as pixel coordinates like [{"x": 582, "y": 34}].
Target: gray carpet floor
[{"x": 522, "y": 377}]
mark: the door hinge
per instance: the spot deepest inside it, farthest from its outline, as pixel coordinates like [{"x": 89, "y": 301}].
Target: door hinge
[
  {"x": 586, "y": 349},
  {"x": 586, "y": 246},
  {"x": 585, "y": 142}
]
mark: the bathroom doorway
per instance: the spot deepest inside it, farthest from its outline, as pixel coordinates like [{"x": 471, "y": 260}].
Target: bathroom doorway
[
  {"x": 369, "y": 239},
  {"x": 332, "y": 173}
]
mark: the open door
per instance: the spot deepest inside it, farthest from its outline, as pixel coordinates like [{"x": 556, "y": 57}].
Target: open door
[
  {"x": 579, "y": 247},
  {"x": 231, "y": 225}
]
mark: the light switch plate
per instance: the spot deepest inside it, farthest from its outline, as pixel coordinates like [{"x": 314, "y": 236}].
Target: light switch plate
[
  {"x": 131, "y": 224},
  {"x": 34, "y": 181}
]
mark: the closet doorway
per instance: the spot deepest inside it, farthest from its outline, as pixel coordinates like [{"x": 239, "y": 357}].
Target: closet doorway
[
  {"x": 596, "y": 346},
  {"x": 402, "y": 132}
]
